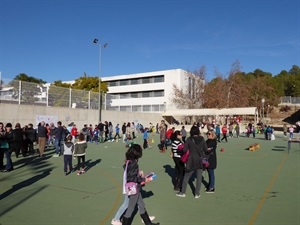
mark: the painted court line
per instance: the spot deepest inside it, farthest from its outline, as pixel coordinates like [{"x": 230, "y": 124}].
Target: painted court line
[
  {"x": 267, "y": 190},
  {"x": 116, "y": 203}
]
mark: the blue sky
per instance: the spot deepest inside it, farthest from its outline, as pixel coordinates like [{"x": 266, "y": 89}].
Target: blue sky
[{"x": 53, "y": 39}]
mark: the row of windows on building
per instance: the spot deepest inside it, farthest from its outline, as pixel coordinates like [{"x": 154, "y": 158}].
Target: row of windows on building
[
  {"x": 138, "y": 108},
  {"x": 141, "y": 94},
  {"x": 133, "y": 81}
]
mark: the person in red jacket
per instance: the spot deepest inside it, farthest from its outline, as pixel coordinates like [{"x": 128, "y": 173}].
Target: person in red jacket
[
  {"x": 74, "y": 132},
  {"x": 224, "y": 132}
]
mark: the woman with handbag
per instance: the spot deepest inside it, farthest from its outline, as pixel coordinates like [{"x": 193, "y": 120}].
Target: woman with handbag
[
  {"x": 134, "y": 175},
  {"x": 197, "y": 148},
  {"x": 211, "y": 143}
]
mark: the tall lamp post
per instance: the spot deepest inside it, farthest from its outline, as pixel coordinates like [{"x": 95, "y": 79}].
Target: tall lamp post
[
  {"x": 96, "y": 41},
  {"x": 263, "y": 109}
]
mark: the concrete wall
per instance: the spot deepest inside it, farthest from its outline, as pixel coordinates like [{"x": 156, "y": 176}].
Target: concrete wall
[{"x": 25, "y": 114}]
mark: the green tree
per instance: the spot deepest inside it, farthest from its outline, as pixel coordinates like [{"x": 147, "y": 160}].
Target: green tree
[
  {"x": 30, "y": 88},
  {"x": 25, "y": 77}
]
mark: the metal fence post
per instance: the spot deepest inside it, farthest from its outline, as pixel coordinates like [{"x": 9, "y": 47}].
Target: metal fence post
[
  {"x": 47, "y": 96},
  {"x": 20, "y": 89},
  {"x": 89, "y": 99},
  {"x": 70, "y": 98}
]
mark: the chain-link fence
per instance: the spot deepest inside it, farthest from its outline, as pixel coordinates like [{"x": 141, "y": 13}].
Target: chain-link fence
[
  {"x": 21, "y": 92},
  {"x": 290, "y": 100}
]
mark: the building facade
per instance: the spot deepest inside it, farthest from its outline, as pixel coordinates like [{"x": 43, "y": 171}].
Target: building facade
[{"x": 144, "y": 92}]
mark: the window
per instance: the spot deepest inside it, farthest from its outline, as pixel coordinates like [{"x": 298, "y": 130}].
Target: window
[
  {"x": 136, "y": 108},
  {"x": 124, "y": 95},
  {"x": 113, "y": 83},
  {"x": 155, "y": 108},
  {"x": 146, "y": 80},
  {"x": 146, "y": 94},
  {"x": 124, "y": 82},
  {"x": 134, "y": 95},
  {"x": 159, "y": 93},
  {"x": 146, "y": 108},
  {"x": 125, "y": 108},
  {"x": 134, "y": 81},
  {"x": 159, "y": 79}
]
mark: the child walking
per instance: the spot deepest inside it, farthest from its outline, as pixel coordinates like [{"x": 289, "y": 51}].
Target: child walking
[
  {"x": 117, "y": 218},
  {"x": 96, "y": 134},
  {"x": 133, "y": 174},
  {"x": 68, "y": 152},
  {"x": 79, "y": 151},
  {"x": 145, "y": 137}
]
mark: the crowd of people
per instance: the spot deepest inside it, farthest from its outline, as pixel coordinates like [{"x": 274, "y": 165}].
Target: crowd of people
[{"x": 21, "y": 140}]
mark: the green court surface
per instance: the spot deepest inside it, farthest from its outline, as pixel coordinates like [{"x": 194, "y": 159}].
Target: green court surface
[{"x": 254, "y": 188}]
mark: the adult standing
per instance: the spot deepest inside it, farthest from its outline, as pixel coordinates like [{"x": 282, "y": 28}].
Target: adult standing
[
  {"x": 32, "y": 137},
  {"x": 211, "y": 143},
  {"x": 101, "y": 131},
  {"x": 58, "y": 139},
  {"x": 197, "y": 150},
  {"x": 128, "y": 134},
  {"x": 237, "y": 130},
  {"x": 8, "y": 139},
  {"x": 3, "y": 145},
  {"x": 176, "y": 153},
  {"x": 17, "y": 141},
  {"x": 42, "y": 136},
  {"x": 162, "y": 136},
  {"x": 124, "y": 132},
  {"x": 133, "y": 130},
  {"x": 183, "y": 133}
]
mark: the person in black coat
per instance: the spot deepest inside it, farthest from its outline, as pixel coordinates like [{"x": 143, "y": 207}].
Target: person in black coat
[
  {"x": 17, "y": 141},
  {"x": 211, "y": 143},
  {"x": 8, "y": 136},
  {"x": 197, "y": 150},
  {"x": 31, "y": 137}
]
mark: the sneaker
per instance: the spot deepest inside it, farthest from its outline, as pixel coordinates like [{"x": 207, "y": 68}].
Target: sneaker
[
  {"x": 150, "y": 217},
  {"x": 197, "y": 196},
  {"x": 66, "y": 173},
  {"x": 78, "y": 173},
  {"x": 211, "y": 190},
  {"x": 179, "y": 194},
  {"x": 116, "y": 222},
  {"x": 56, "y": 155},
  {"x": 82, "y": 171}
]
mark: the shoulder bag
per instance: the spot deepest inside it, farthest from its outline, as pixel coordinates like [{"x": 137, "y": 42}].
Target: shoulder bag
[{"x": 131, "y": 188}]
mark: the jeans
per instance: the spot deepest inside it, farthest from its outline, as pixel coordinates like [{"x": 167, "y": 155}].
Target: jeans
[
  {"x": 211, "y": 177},
  {"x": 68, "y": 163},
  {"x": 122, "y": 208},
  {"x": 57, "y": 145},
  {"x": 9, "y": 165}
]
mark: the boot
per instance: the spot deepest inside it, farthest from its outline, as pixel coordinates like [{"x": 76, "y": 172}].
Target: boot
[
  {"x": 146, "y": 219},
  {"x": 126, "y": 221}
]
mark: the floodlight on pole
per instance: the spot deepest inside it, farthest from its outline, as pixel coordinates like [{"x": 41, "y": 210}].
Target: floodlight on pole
[
  {"x": 96, "y": 41},
  {"x": 263, "y": 108}
]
